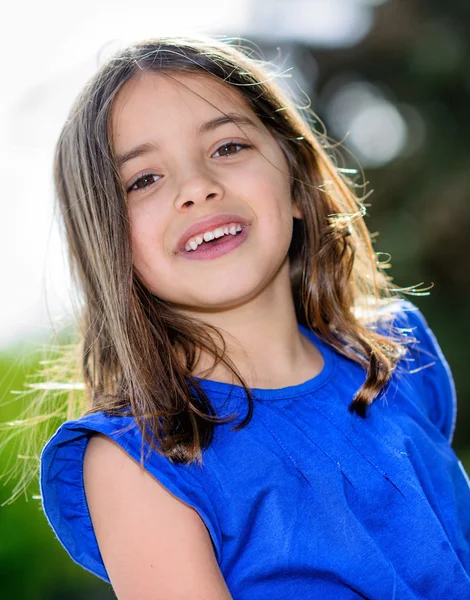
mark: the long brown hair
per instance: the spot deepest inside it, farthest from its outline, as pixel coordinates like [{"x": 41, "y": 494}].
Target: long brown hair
[{"x": 137, "y": 352}]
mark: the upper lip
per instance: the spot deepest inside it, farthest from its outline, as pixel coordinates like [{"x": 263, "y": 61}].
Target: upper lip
[{"x": 209, "y": 224}]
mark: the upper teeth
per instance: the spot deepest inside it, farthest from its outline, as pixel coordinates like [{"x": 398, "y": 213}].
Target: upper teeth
[{"x": 194, "y": 242}]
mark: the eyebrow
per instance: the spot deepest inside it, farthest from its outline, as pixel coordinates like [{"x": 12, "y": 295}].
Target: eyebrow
[{"x": 148, "y": 147}]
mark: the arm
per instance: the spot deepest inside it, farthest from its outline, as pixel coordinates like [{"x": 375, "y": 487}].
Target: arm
[{"x": 154, "y": 546}]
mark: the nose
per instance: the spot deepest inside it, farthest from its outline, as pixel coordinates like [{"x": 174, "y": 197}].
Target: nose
[{"x": 196, "y": 188}]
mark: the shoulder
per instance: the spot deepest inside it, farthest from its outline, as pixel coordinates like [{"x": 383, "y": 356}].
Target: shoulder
[
  {"x": 149, "y": 539},
  {"x": 99, "y": 447},
  {"x": 425, "y": 362}
]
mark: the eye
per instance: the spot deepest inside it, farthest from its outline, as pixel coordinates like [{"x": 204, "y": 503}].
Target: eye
[
  {"x": 144, "y": 181},
  {"x": 231, "y": 148}
]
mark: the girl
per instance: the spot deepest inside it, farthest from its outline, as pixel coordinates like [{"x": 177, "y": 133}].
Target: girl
[{"x": 268, "y": 417}]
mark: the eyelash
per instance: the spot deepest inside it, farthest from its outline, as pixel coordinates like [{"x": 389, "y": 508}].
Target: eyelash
[{"x": 144, "y": 176}]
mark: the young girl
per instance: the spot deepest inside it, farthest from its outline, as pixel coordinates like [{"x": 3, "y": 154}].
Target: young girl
[{"x": 268, "y": 416}]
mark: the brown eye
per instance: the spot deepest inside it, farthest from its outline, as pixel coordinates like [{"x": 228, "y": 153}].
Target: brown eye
[
  {"x": 231, "y": 148},
  {"x": 143, "y": 182}
]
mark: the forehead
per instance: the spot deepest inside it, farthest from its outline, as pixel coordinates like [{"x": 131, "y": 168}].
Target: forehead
[{"x": 171, "y": 100}]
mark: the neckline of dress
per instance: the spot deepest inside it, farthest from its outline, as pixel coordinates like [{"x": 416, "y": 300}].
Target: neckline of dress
[{"x": 307, "y": 387}]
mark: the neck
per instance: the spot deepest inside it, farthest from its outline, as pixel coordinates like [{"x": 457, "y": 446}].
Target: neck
[{"x": 263, "y": 340}]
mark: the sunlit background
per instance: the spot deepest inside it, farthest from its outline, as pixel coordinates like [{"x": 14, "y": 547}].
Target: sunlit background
[
  {"x": 50, "y": 50},
  {"x": 389, "y": 78}
]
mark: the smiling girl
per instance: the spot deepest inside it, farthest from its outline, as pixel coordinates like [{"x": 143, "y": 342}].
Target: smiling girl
[{"x": 268, "y": 417}]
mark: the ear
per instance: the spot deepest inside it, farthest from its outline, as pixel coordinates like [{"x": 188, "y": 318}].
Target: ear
[{"x": 296, "y": 212}]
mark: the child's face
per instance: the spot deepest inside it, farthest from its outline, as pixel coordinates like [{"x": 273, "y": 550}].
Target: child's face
[{"x": 196, "y": 174}]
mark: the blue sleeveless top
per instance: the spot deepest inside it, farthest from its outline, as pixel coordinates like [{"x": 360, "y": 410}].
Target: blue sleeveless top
[{"x": 308, "y": 500}]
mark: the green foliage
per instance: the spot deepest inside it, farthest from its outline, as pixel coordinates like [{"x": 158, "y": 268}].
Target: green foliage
[{"x": 33, "y": 564}]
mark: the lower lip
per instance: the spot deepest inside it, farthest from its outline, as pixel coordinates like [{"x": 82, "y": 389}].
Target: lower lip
[{"x": 208, "y": 251}]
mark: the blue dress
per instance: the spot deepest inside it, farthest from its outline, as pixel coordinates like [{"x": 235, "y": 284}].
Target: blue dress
[{"x": 309, "y": 500}]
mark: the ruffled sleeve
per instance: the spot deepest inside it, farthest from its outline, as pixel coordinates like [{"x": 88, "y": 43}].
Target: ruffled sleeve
[
  {"x": 63, "y": 494},
  {"x": 427, "y": 360}
]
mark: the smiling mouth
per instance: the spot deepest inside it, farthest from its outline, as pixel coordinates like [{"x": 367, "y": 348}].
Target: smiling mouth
[
  {"x": 209, "y": 239},
  {"x": 217, "y": 247}
]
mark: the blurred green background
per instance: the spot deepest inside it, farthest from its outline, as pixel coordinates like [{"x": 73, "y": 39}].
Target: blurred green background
[{"x": 414, "y": 60}]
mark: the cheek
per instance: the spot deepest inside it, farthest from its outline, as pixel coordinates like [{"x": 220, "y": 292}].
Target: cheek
[
  {"x": 140, "y": 236},
  {"x": 147, "y": 257},
  {"x": 274, "y": 199},
  {"x": 146, "y": 234},
  {"x": 265, "y": 183}
]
